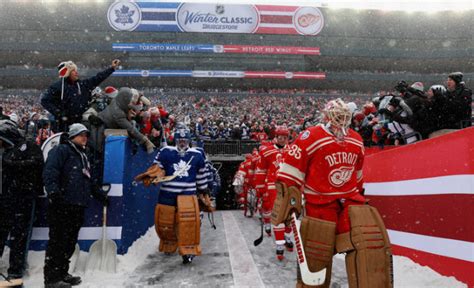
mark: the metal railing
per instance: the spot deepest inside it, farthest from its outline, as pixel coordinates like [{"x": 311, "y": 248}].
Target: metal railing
[{"x": 230, "y": 147}]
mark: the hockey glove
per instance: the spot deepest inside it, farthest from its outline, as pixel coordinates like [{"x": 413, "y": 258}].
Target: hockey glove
[{"x": 151, "y": 174}]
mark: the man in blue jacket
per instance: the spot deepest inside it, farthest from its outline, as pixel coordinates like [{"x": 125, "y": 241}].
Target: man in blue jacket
[
  {"x": 67, "y": 179},
  {"x": 68, "y": 98}
]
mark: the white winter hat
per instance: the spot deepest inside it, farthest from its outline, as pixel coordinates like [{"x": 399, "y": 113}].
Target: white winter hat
[
  {"x": 14, "y": 118},
  {"x": 65, "y": 68},
  {"x": 352, "y": 107},
  {"x": 418, "y": 86},
  {"x": 76, "y": 129}
]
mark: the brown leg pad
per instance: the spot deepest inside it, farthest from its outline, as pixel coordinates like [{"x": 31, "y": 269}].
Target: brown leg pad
[
  {"x": 318, "y": 237},
  {"x": 189, "y": 225},
  {"x": 369, "y": 263},
  {"x": 165, "y": 227}
]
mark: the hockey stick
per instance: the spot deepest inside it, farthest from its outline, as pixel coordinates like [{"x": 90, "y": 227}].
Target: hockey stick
[
  {"x": 175, "y": 174},
  {"x": 259, "y": 239},
  {"x": 308, "y": 277}
]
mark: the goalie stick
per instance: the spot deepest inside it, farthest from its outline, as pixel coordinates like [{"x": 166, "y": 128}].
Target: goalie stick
[{"x": 308, "y": 277}]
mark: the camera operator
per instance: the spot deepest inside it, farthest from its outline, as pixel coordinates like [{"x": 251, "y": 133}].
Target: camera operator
[{"x": 396, "y": 116}]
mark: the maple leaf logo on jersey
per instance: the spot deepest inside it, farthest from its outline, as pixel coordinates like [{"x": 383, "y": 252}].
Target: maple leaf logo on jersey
[
  {"x": 340, "y": 176},
  {"x": 181, "y": 169}
]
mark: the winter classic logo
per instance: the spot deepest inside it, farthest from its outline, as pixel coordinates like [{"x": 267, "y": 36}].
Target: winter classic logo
[
  {"x": 340, "y": 176},
  {"x": 124, "y": 15},
  {"x": 199, "y": 17},
  {"x": 308, "y": 20}
]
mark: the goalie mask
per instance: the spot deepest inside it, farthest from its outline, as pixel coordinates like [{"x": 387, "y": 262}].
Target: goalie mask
[
  {"x": 182, "y": 138},
  {"x": 338, "y": 117}
]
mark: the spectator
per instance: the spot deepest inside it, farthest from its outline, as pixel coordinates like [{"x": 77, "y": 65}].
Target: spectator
[
  {"x": 119, "y": 114},
  {"x": 22, "y": 166},
  {"x": 67, "y": 179},
  {"x": 3, "y": 116},
  {"x": 68, "y": 98},
  {"x": 457, "y": 105}
]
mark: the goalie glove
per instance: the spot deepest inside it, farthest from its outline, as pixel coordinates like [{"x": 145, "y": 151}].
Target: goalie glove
[{"x": 153, "y": 173}]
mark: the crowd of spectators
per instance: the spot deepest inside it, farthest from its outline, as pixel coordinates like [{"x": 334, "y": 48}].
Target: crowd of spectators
[{"x": 400, "y": 115}]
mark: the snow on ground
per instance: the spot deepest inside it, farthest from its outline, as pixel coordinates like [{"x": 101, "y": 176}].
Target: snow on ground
[{"x": 142, "y": 266}]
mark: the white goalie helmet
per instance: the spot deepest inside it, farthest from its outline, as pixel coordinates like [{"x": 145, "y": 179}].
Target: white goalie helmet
[{"x": 338, "y": 117}]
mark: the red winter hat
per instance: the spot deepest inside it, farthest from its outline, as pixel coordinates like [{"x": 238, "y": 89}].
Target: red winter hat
[
  {"x": 110, "y": 91},
  {"x": 163, "y": 113}
]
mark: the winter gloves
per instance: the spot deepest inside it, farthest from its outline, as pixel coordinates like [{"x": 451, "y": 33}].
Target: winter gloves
[{"x": 149, "y": 146}]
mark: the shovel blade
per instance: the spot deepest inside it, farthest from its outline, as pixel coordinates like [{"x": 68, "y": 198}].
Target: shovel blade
[{"x": 100, "y": 259}]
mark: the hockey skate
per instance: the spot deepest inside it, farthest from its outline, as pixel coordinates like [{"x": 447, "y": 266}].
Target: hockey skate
[
  {"x": 289, "y": 245},
  {"x": 280, "y": 252},
  {"x": 268, "y": 229},
  {"x": 188, "y": 259}
]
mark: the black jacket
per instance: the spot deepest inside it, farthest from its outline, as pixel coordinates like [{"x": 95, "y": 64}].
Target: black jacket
[
  {"x": 23, "y": 166},
  {"x": 64, "y": 173},
  {"x": 76, "y": 97},
  {"x": 457, "y": 107}
]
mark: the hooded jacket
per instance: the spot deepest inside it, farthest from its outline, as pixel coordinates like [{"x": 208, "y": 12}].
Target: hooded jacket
[
  {"x": 64, "y": 173},
  {"x": 115, "y": 115},
  {"x": 22, "y": 164},
  {"x": 75, "y": 98}
]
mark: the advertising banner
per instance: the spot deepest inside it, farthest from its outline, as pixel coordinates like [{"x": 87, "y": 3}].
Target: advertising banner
[
  {"x": 209, "y": 48},
  {"x": 220, "y": 74},
  {"x": 149, "y": 16}
]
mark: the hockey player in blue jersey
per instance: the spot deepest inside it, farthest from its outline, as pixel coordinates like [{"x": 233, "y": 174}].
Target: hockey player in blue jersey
[{"x": 177, "y": 220}]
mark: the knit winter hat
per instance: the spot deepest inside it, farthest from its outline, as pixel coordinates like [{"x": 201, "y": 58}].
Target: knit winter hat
[
  {"x": 65, "y": 68},
  {"x": 456, "y": 76},
  {"x": 111, "y": 92},
  {"x": 418, "y": 86},
  {"x": 76, "y": 129}
]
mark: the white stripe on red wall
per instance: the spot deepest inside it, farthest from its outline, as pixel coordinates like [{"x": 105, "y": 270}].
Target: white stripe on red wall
[
  {"x": 454, "y": 184},
  {"x": 440, "y": 246}
]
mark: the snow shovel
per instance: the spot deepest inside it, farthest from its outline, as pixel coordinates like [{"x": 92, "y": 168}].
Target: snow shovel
[
  {"x": 103, "y": 252},
  {"x": 74, "y": 259}
]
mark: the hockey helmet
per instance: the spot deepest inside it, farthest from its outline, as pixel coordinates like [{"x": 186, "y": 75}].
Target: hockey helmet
[
  {"x": 182, "y": 138},
  {"x": 282, "y": 131},
  {"x": 337, "y": 116}
]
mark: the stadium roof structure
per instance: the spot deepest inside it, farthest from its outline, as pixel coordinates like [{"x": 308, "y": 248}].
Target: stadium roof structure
[{"x": 359, "y": 49}]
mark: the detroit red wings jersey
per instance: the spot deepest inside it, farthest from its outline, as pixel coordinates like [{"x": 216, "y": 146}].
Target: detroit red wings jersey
[
  {"x": 326, "y": 168},
  {"x": 267, "y": 166}
]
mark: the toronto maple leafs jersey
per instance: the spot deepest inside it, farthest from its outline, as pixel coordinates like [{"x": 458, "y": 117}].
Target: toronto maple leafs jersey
[{"x": 190, "y": 169}]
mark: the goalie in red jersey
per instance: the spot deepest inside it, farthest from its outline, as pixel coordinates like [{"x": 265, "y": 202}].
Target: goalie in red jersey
[{"x": 325, "y": 163}]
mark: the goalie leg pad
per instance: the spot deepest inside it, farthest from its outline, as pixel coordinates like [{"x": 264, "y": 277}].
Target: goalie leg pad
[
  {"x": 189, "y": 224},
  {"x": 288, "y": 199},
  {"x": 318, "y": 237},
  {"x": 369, "y": 256},
  {"x": 165, "y": 216}
]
